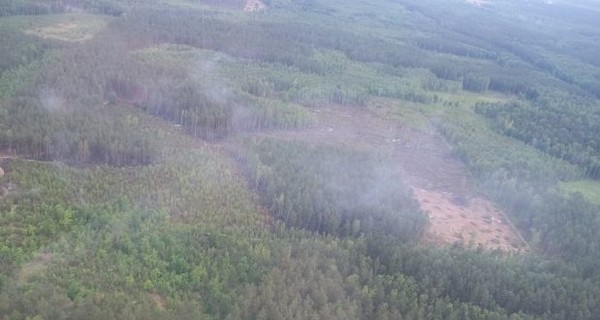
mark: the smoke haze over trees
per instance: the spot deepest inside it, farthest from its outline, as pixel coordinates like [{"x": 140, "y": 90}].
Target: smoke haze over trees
[{"x": 185, "y": 159}]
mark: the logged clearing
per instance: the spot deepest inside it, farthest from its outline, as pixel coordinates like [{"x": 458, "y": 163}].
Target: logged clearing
[
  {"x": 470, "y": 222},
  {"x": 458, "y": 213}
]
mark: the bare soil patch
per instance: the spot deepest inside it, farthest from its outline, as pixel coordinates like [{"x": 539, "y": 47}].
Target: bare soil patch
[
  {"x": 254, "y": 5},
  {"x": 478, "y": 223},
  {"x": 37, "y": 265},
  {"x": 158, "y": 300},
  {"x": 458, "y": 212}
]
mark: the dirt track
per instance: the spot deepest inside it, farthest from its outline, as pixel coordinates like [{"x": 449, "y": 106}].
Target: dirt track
[{"x": 458, "y": 213}]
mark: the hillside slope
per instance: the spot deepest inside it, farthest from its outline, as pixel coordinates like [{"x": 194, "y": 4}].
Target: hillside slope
[{"x": 328, "y": 159}]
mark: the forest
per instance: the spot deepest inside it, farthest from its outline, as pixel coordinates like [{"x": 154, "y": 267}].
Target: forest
[{"x": 190, "y": 159}]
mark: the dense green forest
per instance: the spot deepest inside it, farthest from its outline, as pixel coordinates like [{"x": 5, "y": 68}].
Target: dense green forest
[
  {"x": 564, "y": 128},
  {"x": 344, "y": 193},
  {"x": 189, "y": 159}
]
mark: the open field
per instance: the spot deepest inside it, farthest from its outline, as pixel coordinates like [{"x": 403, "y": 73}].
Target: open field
[
  {"x": 590, "y": 190},
  {"x": 67, "y": 27}
]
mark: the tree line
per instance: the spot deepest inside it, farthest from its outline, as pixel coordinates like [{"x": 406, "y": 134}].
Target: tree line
[{"x": 565, "y": 128}]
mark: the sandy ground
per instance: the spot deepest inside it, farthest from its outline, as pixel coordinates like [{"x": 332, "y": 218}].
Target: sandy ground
[{"x": 458, "y": 212}]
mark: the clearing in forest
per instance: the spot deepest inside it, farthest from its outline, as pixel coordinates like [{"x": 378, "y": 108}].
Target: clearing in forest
[
  {"x": 254, "y": 5},
  {"x": 458, "y": 212},
  {"x": 589, "y": 189},
  {"x": 478, "y": 3},
  {"x": 36, "y": 265},
  {"x": 70, "y": 28}
]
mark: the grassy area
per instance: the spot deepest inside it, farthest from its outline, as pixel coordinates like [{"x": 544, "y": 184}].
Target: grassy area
[
  {"x": 71, "y": 27},
  {"x": 179, "y": 58},
  {"x": 588, "y": 188}
]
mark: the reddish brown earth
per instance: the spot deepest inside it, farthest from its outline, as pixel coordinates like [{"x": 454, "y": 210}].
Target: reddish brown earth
[
  {"x": 458, "y": 212},
  {"x": 474, "y": 223}
]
